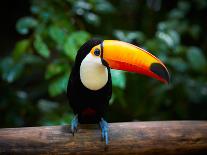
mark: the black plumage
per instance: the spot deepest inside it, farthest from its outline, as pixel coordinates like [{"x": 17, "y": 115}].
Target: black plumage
[{"x": 89, "y": 105}]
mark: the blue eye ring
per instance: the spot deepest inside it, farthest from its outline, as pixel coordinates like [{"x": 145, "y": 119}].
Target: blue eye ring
[{"x": 97, "y": 52}]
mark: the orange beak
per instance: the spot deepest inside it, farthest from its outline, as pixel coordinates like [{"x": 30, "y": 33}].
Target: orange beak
[{"x": 124, "y": 56}]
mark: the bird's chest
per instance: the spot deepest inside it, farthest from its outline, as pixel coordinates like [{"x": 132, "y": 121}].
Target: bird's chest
[{"x": 93, "y": 77}]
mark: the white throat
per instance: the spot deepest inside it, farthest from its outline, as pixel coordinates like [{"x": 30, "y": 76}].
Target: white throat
[{"x": 93, "y": 74}]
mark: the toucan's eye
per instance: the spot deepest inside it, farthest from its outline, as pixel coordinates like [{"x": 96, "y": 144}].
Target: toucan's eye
[{"x": 97, "y": 52}]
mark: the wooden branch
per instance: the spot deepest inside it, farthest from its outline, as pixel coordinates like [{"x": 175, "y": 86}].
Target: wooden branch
[{"x": 167, "y": 137}]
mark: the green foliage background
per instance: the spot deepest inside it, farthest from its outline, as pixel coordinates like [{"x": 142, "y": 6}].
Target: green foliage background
[{"x": 34, "y": 76}]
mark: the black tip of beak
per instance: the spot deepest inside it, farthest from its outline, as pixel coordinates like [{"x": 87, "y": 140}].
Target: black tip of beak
[{"x": 161, "y": 71}]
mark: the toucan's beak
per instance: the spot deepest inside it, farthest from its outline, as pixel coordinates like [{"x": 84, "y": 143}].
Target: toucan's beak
[{"x": 124, "y": 56}]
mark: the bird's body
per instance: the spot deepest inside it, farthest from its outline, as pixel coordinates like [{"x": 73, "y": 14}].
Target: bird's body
[
  {"x": 90, "y": 87},
  {"x": 89, "y": 105}
]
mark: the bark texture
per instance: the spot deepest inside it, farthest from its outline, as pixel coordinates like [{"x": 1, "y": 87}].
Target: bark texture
[{"x": 143, "y": 138}]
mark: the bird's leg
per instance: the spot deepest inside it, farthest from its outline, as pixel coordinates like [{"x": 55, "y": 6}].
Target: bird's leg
[
  {"x": 74, "y": 124},
  {"x": 104, "y": 130}
]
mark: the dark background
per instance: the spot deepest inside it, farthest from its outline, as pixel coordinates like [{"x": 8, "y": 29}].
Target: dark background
[{"x": 10, "y": 12}]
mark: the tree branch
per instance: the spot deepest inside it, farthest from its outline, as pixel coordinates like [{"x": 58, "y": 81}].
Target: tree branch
[{"x": 159, "y": 137}]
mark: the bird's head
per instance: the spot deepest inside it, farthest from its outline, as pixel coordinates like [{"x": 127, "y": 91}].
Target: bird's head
[{"x": 122, "y": 56}]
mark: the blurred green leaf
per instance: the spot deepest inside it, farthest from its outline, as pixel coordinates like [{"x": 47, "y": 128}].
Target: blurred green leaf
[
  {"x": 20, "y": 48},
  {"x": 47, "y": 106},
  {"x": 82, "y": 5},
  {"x": 57, "y": 34},
  {"x": 24, "y": 24},
  {"x": 73, "y": 43},
  {"x": 180, "y": 50},
  {"x": 35, "y": 9},
  {"x": 175, "y": 37},
  {"x": 196, "y": 59},
  {"x": 59, "y": 85},
  {"x": 92, "y": 18},
  {"x": 41, "y": 47},
  {"x": 129, "y": 36},
  {"x": 66, "y": 118},
  {"x": 166, "y": 38},
  {"x": 178, "y": 64},
  {"x": 118, "y": 79},
  {"x": 10, "y": 71},
  {"x": 162, "y": 26},
  {"x": 151, "y": 44},
  {"x": 171, "y": 38},
  {"x": 56, "y": 119},
  {"x": 184, "y": 6},
  {"x": 120, "y": 35},
  {"x": 176, "y": 14},
  {"x": 70, "y": 48},
  {"x": 103, "y": 6},
  {"x": 55, "y": 69},
  {"x": 194, "y": 31},
  {"x": 29, "y": 58}
]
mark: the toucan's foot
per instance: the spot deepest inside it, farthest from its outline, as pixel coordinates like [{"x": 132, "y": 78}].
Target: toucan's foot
[
  {"x": 104, "y": 130},
  {"x": 74, "y": 124}
]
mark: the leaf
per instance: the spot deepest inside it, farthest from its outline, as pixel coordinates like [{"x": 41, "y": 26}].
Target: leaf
[
  {"x": 28, "y": 58},
  {"x": 195, "y": 31},
  {"x": 47, "y": 106},
  {"x": 10, "y": 71},
  {"x": 104, "y": 7},
  {"x": 59, "y": 85},
  {"x": 196, "y": 59},
  {"x": 175, "y": 37},
  {"x": 92, "y": 18},
  {"x": 151, "y": 45},
  {"x": 178, "y": 64},
  {"x": 82, "y": 5},
  {"x": 176, "y": 14},
  {"x": 57, "y": 34},
  {"x": 24, "y": 24},
  {"x": 120, "y": 35},
  {"x": 184, "y": 6},
  {"x": 55, "y": 69},
  {"x": 41, "y": 47},
  {"x": 129, "y": 36},
  {"x": 35, "y": 9},
  {"x": 162, "y": 26},
  {"x": 132, "y": 35},
  {"x": 66, "y": 118},
  {"x": 171, "y": 38},
  {"x": 20, "y": 48},
  {"x": 180, "y": 50},
  {"x": 73, "y": 43},
  {"x": 70, "y": 48},
  {"x": 118, "y": 78}
]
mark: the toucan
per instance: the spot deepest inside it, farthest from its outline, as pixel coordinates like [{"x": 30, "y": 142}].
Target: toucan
[{"x": 90, "y": 86}]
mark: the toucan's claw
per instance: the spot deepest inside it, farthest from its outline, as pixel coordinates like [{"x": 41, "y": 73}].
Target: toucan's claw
[
  {"x": 104, "y": 130},
  {"x": 74, "y": 124}
]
